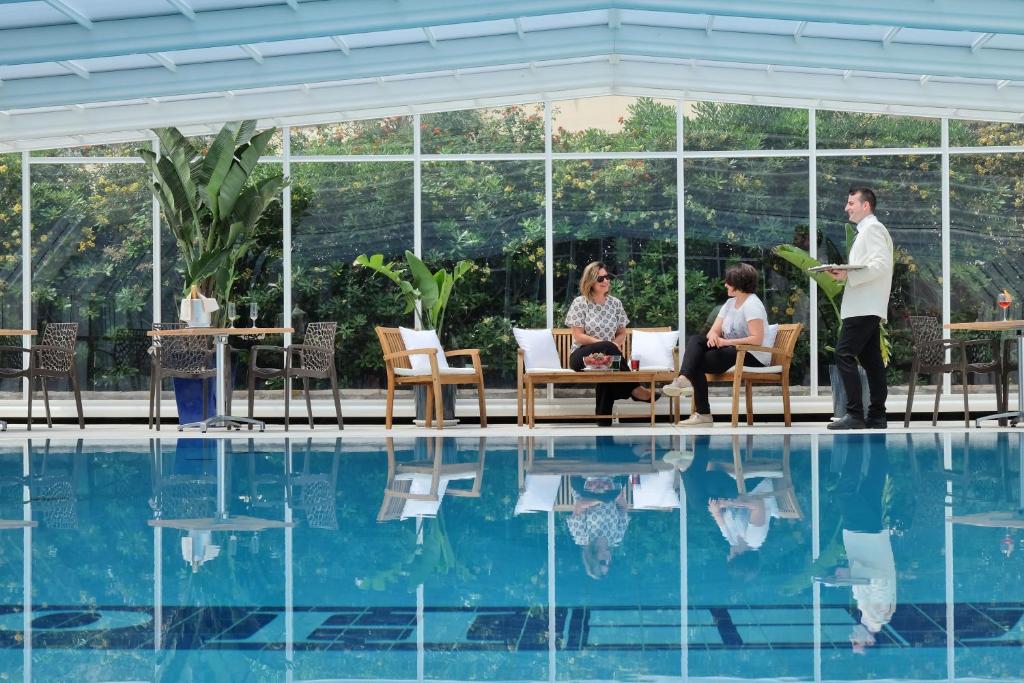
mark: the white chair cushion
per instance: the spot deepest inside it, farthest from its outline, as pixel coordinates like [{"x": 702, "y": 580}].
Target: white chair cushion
[
  {"x": 756, "y": 371},
  {"x": 412, "y": 372},
  {"x": 538, "y": 347},
  {"x": 654, "y": 349},
  {"x": 421, "y": 485},
  {"x": 656, "y": 491},
  {"x": 422, "y": 339},
  {"x": 539, "y": 493},
  {"x": 769, "y": 335}
]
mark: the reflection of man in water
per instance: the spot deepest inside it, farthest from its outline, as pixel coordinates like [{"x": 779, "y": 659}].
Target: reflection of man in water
[
  {"x": 864, "y": 466},
  {"x": 598, "y": 521},
  {"x": 743, "y": 520}
]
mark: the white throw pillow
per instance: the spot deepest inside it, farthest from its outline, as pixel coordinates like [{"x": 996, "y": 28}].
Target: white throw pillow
[
  {"x": 769, "y": 335},
  {"x": 654, "y": 349},
  {"x": 538, "y": 347},
  {"x": 656, "y": 490},
  {"x": 423, "y": 339}
]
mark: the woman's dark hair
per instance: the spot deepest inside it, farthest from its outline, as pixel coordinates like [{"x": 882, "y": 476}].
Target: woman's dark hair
[
  {"x": 743, "y": 277},
  {"x": 745, "y": 566}
]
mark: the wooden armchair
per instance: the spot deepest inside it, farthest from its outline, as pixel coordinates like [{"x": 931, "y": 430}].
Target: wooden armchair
[
  {"x": 401, "y": 374},
  {"x": 776, "y": 373}
]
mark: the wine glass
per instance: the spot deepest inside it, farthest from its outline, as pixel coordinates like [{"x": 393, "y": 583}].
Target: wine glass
[
  {"x": 232, "y": 313},
  {"x": 1003, "y": 301},
  {"x": 254, "y": 311}
]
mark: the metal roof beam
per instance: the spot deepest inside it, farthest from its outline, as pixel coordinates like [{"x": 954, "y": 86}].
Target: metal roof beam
[
  {"x": 71, "y": 13},
  {"x": 38, "y": 130},
  {"x": 183, "y": 7},
  {"x": 343, "y": 17},
  {"x": 467, "y": 53}
]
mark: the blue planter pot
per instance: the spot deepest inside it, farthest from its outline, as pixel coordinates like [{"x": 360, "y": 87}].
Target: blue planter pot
[{"x": 188, "y": 395}]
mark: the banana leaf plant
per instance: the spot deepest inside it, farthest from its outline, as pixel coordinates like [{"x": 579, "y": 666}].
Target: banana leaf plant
[
  {"x": 829, "y": 287},
  {"x": 418, "y": 285},
  {"x": 210, "y": 201}
]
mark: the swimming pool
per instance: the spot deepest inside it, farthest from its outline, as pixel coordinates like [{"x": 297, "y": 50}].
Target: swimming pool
[{"x": 475, "y": 559}]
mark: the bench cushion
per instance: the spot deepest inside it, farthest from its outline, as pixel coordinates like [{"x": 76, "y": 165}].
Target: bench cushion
[
  {"x": 538, "y": 348},
  {"x": 771, "y": 369},
  {"x": 653, "y": 349}
]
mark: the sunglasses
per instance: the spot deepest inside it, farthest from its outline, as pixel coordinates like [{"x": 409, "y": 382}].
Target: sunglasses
[{"x": 605, "y": 278}]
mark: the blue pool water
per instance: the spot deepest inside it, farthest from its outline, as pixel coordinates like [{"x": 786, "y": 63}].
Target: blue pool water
[{"x": 291, "y": 560}]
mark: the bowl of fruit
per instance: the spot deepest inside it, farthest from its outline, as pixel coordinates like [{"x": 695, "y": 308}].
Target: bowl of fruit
[{"x": 597, "y": 361}]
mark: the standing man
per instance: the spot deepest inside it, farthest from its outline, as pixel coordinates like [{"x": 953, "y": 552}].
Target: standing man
[{"x": 865, "y": 305}]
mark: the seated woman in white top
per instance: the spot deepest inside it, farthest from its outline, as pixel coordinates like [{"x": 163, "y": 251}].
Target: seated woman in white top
[{"x": 742, "y": 320}]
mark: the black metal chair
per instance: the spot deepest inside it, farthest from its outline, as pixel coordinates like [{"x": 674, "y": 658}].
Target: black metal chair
[
  {"x": 315, "y": 356},
  {"x": 1008, "y": 369},
  {"x": 53, "y": 358},
  {"x": 182, "y": 357},
  {"x": 930, "y": 358}
]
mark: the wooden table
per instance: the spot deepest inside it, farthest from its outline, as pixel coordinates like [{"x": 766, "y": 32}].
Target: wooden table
[
  {"x": 220, "y": 336},
  {"x": 14, "y": 333},
  {"x": 647, "y": 377},
  {"x": 1017, "y": 327}
]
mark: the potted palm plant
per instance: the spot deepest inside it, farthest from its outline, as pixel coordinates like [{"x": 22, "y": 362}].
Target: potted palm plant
[
  {"x": 832, "y": 289},
  {"x": 426, "y": 294},
  {"x": 212, "y": 205}
]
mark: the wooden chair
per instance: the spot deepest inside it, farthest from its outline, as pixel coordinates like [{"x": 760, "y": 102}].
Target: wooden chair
[
  {"x": 401, "y": 374},
  {"x": 744, "y": 466},
  {"x": 775, "y": 373},
  {"x": 312, "y": 359},
  {"x": 53, "y": 358},
  {"x": 428, "y": 480},
  {"x": 930, "y": 358}
]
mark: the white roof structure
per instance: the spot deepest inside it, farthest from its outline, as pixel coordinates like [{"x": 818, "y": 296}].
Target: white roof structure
[{"x": 74, "y": 71}]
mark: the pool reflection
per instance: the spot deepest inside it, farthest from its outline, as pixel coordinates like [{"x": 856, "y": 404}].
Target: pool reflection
[{"x": 808, "y": 557}]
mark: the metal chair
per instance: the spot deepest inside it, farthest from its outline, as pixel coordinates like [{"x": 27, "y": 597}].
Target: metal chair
[
  {"x": 1008, "y": 369},
  {"x": 53, "y": 358},
  {"x": 930, "y": 357},
  {"x": 181, "y": 357},
  {"x": 315, "y": 361}
]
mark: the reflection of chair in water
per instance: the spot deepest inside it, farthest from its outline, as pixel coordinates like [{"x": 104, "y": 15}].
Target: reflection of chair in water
[
  {"x": 184, "y": 494},
  {"x": 546, "y": 484},
  {"x": 308, "y": 492},
  {"x": 973, "y": 486},
  {"x": 744, "y": 466},
  {"x": 13, "y": 496},
  {"x": 52, "y": 494},
  {"x": 415, "y": 489}
]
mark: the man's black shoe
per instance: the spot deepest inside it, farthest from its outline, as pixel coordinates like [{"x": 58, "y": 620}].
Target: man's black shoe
[
  {"x": 847, "y": 422},
  {"x": 877, "y": 423}
]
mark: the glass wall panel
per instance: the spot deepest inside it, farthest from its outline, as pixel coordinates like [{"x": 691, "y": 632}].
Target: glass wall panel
[
  {"x": 516, "y": 128},
  {"x": 853, "y": 130},
  {"x": 986, "y": 233},
  {"x": 730, "y": 127},
  {"x": 339, "y": 211},
  {"x": 614, "y": 124},
  {"x": 10, "y": 259},
  {"x": 392, "y": 135},
  {"x": 622, "y": 212},
  {"x": 984, "y": 133},
  {"x": 491, "y": 213},
  {"x": 910, "y": 206},
  {"x": 92, "y": 264},
  {"x": 737, "y": 210}
]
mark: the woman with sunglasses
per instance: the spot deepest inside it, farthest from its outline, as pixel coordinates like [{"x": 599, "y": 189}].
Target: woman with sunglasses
[{"x": 598, "y": 323}]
